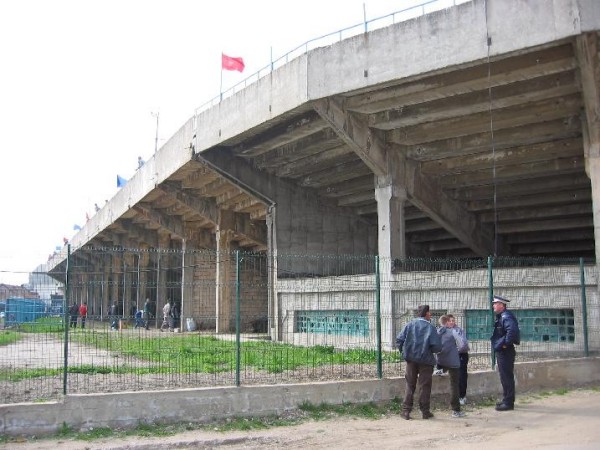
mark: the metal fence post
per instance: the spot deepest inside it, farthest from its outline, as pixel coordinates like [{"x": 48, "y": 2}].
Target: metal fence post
[
  {"x": 490, "y": 298},
  {"x": 237, "y": 318},
  {"x": 378, "y": 316},
  {"x": 67, "y": 322},
  {"x": 586, "y": 349}
]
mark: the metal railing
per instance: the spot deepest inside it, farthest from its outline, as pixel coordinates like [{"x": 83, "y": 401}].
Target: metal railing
[{"x": 402, "y": 15}]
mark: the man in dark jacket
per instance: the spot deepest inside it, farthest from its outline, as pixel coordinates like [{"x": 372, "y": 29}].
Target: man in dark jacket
[
  {"x": 418, "y": 341},
  {"x": 506, "y": 335}
]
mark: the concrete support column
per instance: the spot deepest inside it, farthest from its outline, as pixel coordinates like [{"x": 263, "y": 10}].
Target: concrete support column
[
  {"x": 593, "y": 169},
  {"x": 187, "y": 280},
  {"x": 144, "y": 267},
  {"x": 224, "y": 273},
  {"x": 129, "y": 278},
  {"x": 117, "y": 279},
  {"x": 273, "y": 309},
  {"x": 162, "y": 266},
  {"x": 391, "y": 245},
  {"x": 106, "y": 289}
]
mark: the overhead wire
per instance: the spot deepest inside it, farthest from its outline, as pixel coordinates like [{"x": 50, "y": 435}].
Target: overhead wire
[{"x": 491, "y": 114}]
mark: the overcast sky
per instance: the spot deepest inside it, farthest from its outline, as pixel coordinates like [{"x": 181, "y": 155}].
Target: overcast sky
[{"x": 81, "y": 83}]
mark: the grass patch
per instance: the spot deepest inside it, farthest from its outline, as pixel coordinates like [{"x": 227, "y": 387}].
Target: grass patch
[
  {"x": 8, "y": 337},
  {"x": 52, "y": 324},
  {"x": 188, "y": 353},
  {"x": 207, "y": 354}
]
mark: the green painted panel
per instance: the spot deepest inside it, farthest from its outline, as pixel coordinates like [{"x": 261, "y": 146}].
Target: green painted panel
[{"x": 335, "y": 322}]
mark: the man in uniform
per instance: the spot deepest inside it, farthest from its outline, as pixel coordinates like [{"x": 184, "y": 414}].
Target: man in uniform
[{"x": 506, "y": 335}]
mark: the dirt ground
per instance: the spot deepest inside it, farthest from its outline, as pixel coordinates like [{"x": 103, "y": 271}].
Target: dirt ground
[{"x": 570, "y": 421}]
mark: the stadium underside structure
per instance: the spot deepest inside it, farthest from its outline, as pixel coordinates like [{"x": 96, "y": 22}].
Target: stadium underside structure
[{"x": 464, "y": 133}]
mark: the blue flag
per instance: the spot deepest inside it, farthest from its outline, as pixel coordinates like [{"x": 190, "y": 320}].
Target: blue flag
[
  {"x": 121, "y": 181},
  {"x": 76, "y": 227}
]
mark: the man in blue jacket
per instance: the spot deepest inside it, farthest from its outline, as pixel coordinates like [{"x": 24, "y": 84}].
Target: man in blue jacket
[
  {"x": 506, "y": 335},
  {"x": 418, "y": 341}
]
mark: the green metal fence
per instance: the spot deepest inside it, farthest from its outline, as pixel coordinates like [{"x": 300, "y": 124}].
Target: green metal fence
[{"x": 259, "y": 319}]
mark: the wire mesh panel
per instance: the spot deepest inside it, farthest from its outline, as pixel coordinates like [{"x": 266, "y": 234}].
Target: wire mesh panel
[
  {"x": 448, "y": 287},
  {"x": 323, "y": 321},
  {"x": 547, "y": 296}
]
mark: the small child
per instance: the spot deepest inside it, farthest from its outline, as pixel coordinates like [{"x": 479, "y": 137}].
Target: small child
[
  {"x": 463, "y": 353},
  {"x": 449, "y": 360}
]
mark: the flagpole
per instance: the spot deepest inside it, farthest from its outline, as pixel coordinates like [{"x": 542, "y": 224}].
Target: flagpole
[{"x": 221, "y": 86}]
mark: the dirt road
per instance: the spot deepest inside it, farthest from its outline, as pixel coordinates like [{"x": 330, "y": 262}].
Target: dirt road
[{"x": 570, "y": 421}]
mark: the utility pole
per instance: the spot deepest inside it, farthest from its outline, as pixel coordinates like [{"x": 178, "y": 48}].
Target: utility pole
[{"x": 156, "y": 136}]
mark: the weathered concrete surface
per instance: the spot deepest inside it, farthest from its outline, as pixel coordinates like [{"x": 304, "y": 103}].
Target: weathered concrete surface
[{"x": 124, "y": 410}]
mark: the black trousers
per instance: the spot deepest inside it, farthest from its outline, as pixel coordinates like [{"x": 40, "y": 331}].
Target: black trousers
[
  {"x": 506, "y": 367},
  {"x": 463, "y": 375}
]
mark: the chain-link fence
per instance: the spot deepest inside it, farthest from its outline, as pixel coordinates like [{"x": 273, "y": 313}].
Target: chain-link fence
[{"x": 131, "y": 319}]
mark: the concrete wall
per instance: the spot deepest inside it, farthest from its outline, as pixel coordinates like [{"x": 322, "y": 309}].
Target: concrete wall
[
  {"x": 127, "y": 410},
  {"x": 447, "y": 291}
]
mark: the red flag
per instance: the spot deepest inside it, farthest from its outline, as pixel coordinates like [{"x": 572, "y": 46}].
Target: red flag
[{"x": 231, "y": 63}]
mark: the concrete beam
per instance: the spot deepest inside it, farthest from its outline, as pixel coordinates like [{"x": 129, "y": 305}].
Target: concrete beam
[
  {"x": 354, "y": 131},
  {"x": 499, "y": 73},
  {"x": 139, "y": 233},
  {"x": 540, "y": 185},
  {"x": 554, "y": 198},
  {"x": 534, "y": 112},
  {"x": 505, "y": 174},
  {"x": 206, "y": 207},
  {"x": 476, "y": 102},
  {"x": 538, "y": 212},
  {"x": 294, "y": 151},
  {"x": 172, "y": 224},
  {"x": 306, "y": 165},
  {"x": 589, "y": 67},
  {"x": 553, "y": 236},
  {"x": 532, "y": 133},
  {"x": 502, "y": 157},
  {"x": 281, "y": 134},
  {"x": 546, "y": 225},
  {"x": 427, "y": 195}
]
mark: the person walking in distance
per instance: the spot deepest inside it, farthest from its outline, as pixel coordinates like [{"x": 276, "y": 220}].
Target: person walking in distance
[
  {"x": 418, "y": 342},
  {"x": 506, "y": 335},
  {"x": 112, "y": 314},
  {"x": 73, "y": 314},
  {"x": 463, "y": 354},
  {"x": 83, "y": 313},
  {"x": 166, "y": 323},
  {"x": 147, "y": 313}
]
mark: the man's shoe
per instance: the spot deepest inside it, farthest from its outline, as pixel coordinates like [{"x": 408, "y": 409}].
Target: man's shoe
[
  {"x": 504, "y": 407},
  {"x": 462, "y": 401},
  {"x": 405, "y": 415},
  {"x": 458, "y": 414},
  {"x": 427, "y": 415}
]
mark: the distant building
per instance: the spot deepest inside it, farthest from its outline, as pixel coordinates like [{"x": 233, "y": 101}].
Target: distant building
[
  {"x": 42, "y": 284},
  {"x": 8, "y": 291}
]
